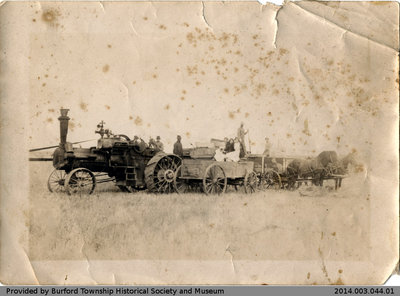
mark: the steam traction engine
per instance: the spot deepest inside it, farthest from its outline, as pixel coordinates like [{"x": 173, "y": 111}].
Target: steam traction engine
[{"x": 133, "y": 165}]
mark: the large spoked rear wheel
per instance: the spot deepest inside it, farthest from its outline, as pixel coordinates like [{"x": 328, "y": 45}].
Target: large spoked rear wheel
[
  {"x": 56, "y": 181},
  {"x": 251, "y": 182},
  {"x": 80, "y": 181},
  {"x": 214, "y": 181},
  {"x": 160, "y": 173}
]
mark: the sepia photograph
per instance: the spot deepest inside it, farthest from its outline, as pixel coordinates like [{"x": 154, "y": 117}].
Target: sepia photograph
[{"x": 199, "y": 143}]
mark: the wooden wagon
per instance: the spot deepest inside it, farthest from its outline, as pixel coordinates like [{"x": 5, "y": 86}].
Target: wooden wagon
[
  {"x": 270, "y": 171},
  {"x": 213, "y": 176},
  {"x": 273, "y": 173}
]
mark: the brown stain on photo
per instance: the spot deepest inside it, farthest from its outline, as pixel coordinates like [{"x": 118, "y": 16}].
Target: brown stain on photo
[
  {"x": 106, "y": 68},
  {"x": 83, "y": 106},
  {"x": 50, "y": 16},
  {"x": 138, "y": 121}
]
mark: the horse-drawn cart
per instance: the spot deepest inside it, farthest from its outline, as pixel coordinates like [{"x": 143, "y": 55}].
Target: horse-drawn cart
[
  {"x": 213, "y": 176},
  {"x": 290, "y": 173}
]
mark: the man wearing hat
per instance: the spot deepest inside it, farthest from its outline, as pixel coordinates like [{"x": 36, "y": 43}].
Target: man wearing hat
[{"x": 159, "y": 144}]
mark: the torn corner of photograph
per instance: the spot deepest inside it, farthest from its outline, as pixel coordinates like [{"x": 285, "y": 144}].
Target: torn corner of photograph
[{"x": 199, "y": 142}]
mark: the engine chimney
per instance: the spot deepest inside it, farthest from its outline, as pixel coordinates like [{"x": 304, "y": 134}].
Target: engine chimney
[{"x": 63, "y": 127}]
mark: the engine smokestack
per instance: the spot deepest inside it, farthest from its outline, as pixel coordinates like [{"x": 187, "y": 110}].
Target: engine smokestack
[{"x": 63, "y": 127}]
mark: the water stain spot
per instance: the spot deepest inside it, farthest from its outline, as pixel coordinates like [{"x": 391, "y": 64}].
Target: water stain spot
[
  {"x": 107, "y": 107},
  {"x": 308, "y": 275},
  {"x": 83, "y": 106},
  {"x": 130, "y": 117},
  {"x": 138, "y": 121},
  {"x": 134, "y": 82},
  {"x": 182, "y": 98},
  {"x": 167, "y": 107},
  {"x": 106, "y": 68},
  {"x": 155, "y": 76},
  {"x": 338, "y": 282},
  {"x": 50, "y": 16},
  {"x": 231, "y": 115},
  {"x": 71, "y": 125},
  {"x": 283, "y": 51},
  {"x": 188, "y": 134},
  {"x": 34, "y": 20},
  {"x": 145, "y": 18},
  {"x": 44, "y": 84},
  {"x": 340, "y": 271},
  {"x": 109, "y": 45},
  {"x": 51, "y": 110},
  {"x": 49, "y": 120},
  {"x": 162, "y": 27},
  {"x": 333, "y": 233}
]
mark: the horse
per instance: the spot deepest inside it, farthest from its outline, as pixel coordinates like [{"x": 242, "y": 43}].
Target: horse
[{"x": 314, "y": 168}]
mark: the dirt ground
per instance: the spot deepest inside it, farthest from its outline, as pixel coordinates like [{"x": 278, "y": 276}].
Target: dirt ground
[{"x": 306, "y": 224}]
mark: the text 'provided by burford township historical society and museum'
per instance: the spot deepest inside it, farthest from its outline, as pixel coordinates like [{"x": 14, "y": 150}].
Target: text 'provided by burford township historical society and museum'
[{"x": 115, "y": 291}]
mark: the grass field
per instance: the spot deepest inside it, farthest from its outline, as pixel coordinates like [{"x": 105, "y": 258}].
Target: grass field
[{"x": 273, "y": 225}]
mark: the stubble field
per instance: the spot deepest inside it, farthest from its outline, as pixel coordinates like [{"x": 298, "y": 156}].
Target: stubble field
[{"x": 306, "y": 224}]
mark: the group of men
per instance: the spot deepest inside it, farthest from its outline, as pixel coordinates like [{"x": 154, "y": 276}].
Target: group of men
[
  {"x": 229, "y": 144},
  {"x": 158, "y": 145},
  {"x": 241, "y": 133}
]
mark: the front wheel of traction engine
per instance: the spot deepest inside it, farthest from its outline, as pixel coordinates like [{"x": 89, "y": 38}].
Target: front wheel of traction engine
[
  {"x": 80, "y": 181},
  {"x": 56, "y": 181},
  {"x": 160, "y": 172}
]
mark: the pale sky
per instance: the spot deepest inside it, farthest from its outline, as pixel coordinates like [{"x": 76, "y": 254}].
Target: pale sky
[{"x": 181, "y": 68}]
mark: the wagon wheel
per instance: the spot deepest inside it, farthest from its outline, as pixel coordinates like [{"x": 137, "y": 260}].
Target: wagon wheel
[
  {"x": 214, "y": 180},
  {"x": 180, "y": 185},
  {"x": 250, "y": 182},
  {"x": 271, "y": 180},
  {"x": 160, "y": 172},
  {"x": 80, "y": 181},
  {"x": 56, "y": 181}
]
